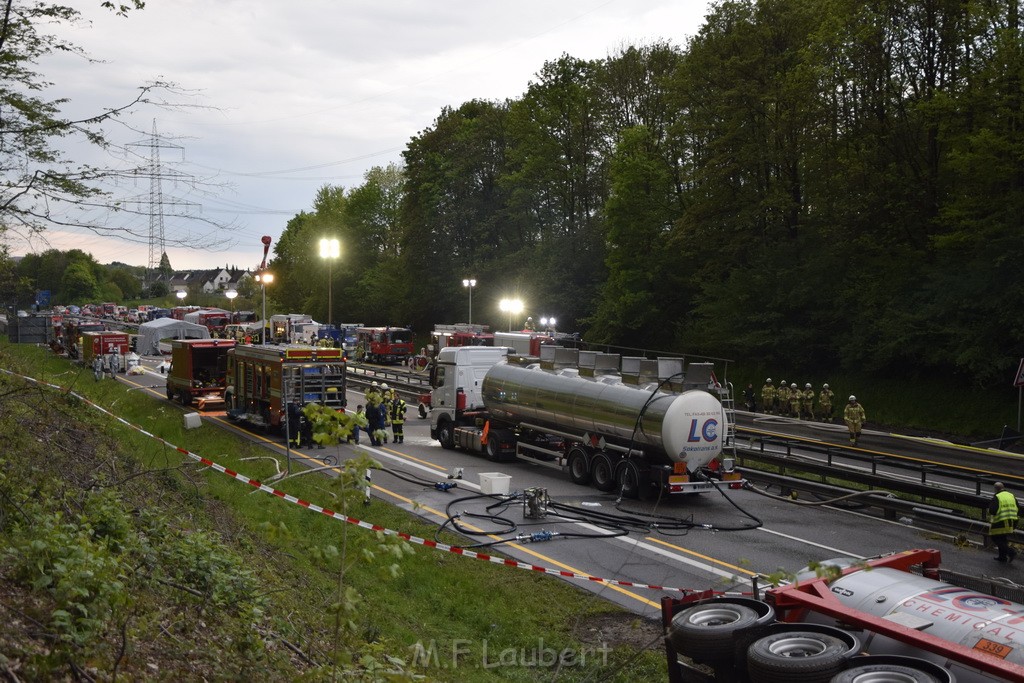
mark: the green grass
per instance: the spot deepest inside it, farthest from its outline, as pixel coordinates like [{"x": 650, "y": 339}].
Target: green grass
[{"x": 450, "y": 605}]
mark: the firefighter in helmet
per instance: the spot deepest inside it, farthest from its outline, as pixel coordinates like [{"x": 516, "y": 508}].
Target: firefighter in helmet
[
  {"x": 397, "y": 408},
  {"x": 782, "y": 398},
  {"x": 854, "y": 416},
  {"x": 825, "y": 403},
  {"x": 768, "y": 396},
  {"x": 807, "y": 404},
  {"x": 796, "y": 398}
]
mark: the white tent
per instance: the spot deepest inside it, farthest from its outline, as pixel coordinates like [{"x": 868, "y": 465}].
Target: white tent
[{"x": 152, "y": 332}]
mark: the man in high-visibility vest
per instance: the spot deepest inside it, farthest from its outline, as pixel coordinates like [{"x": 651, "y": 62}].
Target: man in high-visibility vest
[{"x": 1002, "y": 520}]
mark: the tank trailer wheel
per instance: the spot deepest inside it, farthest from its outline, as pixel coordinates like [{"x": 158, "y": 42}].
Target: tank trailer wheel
[
  {"x": 795, "y": 656},
  {"x": 602, "y": 474},
  {"x": 705, "y": 632},
  {"x": 871, "y": 673},
  {"x": 579, "y": 466},
  {"x": 628, "y": 479}
]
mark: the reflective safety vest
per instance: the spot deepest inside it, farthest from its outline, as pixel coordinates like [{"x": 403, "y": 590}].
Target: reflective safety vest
[
  {"x": 1005, "y": 517},
  {"x": 768, "y": 393}
]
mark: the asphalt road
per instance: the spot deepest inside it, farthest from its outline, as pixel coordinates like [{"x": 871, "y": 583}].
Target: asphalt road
[{"x": 714, "y": 540}]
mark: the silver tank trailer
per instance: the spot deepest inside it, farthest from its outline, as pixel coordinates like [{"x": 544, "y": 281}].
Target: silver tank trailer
[
  {"x": 959, "y": 615},
  {"x": 687, "y": 427}
]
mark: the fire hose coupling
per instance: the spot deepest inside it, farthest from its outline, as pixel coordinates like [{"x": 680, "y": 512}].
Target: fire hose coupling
[
  {"x": 446, "y": 485},
  {"x": 536, "y": 537}
]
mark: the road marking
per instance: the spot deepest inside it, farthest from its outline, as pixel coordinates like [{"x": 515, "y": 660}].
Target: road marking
[
  {"x": 703, "y": 557},
  {"x": 843, "y": 553}
]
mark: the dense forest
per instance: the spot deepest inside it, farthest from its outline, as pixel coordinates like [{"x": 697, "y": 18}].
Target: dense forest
[
  {"x": 828, "y": 182},
  {"x": 815, "y": 183}
]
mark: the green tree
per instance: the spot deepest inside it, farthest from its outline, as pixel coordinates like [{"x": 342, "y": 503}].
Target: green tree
[
  {"x": 78, "y": 283},
  {"x": 127, "y": 282}
]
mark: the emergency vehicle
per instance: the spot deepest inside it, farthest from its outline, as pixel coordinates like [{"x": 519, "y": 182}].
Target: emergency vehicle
[
  {"x": 198, "y": 371},
  {"x": 383, "y": 344},
  {"x": 263, "y": 380}
]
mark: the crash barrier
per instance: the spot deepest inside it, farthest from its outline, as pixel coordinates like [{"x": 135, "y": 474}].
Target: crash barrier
[{"x": 416, "y": 540}]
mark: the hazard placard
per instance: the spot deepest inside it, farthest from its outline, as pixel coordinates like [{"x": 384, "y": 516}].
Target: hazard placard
[{"x": 1019, "y": 381}]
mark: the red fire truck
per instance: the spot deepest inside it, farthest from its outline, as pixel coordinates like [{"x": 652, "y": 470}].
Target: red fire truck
[
  {"x": 198, "y": 371},
  {"x": 262, "y": 380},
  {"x": 383, "y": 344}
]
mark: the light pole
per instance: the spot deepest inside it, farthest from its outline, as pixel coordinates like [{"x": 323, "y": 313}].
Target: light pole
[
  {"x": 511, "y": 306},
  {"x": 548, "y": 324},
  {"x": 471, "y": 283},
  {"x": 231, "y": 294},
  {"x": 264, "y": 278},
  {"x": 330, "y": 249}
]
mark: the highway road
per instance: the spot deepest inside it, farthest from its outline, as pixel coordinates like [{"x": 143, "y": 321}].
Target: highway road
[{"x": 717, "y": 540}]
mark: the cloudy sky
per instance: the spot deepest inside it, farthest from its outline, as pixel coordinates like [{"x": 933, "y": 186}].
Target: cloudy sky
[{"x": 290, "y": 96}]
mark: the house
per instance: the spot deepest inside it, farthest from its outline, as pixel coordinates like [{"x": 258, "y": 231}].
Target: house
[{"x": 206, "y": 281}]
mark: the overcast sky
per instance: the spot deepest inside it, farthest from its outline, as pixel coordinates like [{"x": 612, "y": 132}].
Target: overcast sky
[{"x": 299, "y": 94}]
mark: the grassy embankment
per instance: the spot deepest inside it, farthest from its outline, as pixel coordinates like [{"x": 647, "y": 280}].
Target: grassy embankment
[{"x": 121, "y": 557}]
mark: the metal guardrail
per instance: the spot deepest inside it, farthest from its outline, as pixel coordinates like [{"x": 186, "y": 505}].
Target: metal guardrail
[{"x": 947, "y": 520}]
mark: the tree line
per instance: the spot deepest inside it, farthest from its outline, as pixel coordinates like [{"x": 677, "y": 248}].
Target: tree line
[
  {"x": 811, "y": 183},
  {"x": 827, "y": 183}
]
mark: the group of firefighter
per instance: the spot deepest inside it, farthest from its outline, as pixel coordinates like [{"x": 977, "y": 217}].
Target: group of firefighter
[
  {"x": 384, "y": 407},
  {"x": 790, "y": 401}
]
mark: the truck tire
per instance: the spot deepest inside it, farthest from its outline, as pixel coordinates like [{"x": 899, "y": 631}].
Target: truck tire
[
  {"x": 602, "y": 472},
  {"x": 170, "y": 394},
  {"x": 579, "y": 465},
  {"x": 877, "y": 673},
  {"x": 493, "y": 449},
  {"x": 422, "y": 410},
  {"x": 628, "y": 479},
  {"x": 796, "y": 657},
  {"x": 446, "y": 434},
  {"x": 705, "y": 632},
  {"x": 184, "y": 398}
]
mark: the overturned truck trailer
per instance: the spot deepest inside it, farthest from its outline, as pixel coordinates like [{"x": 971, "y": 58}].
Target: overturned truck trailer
[{"x": 886, "y": 620}]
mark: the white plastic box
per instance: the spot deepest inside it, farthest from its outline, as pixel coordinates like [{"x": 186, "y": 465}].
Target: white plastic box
[
  {"x": 494, "y": 482},
  {"x": 193, "y": 420}
]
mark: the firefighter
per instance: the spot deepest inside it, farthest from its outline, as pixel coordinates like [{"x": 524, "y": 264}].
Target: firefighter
[
  {"x": 782, "y": 398},
  {"x": 530, "y": 325},
  {"x": 749, "y": 400},
  {"x": 397, "y": 410},
  {"x": 854, "y": 416},
  {"x": 1003, "y": 514},
  {"x": 295, "y": 423},
  {"x": 796, "y": 397},
  {"x": 808, "y": 402},
  {"x": 825, "y": 403},
  {"x": 768, "y": 396}
]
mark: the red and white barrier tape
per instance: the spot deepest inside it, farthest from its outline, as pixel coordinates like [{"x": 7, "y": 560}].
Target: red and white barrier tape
[{"x": 352, "y": 520}]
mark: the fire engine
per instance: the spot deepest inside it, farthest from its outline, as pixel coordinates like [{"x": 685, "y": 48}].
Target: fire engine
[
  {"x": 262, "y": 380},
  {"x": 198, "y": 371},
  {"x": 383, "y": 344}
]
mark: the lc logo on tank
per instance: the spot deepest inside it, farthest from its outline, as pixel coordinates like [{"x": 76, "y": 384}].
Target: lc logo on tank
[{"x": 709, "y": 431}]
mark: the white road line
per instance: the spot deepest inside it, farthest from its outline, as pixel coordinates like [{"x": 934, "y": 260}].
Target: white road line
[{"x": 837, "y": 551}]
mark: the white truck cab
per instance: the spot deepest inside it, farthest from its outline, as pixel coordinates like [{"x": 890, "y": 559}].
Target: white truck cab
[{"x": 462, "y": 367}]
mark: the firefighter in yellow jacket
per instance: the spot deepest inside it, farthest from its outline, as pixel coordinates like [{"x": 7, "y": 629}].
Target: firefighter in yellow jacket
[
  {"x": 782, "y": 398},
  {"x": 796, "y": 397},
  {"x": 825, "y": 403},
  {"x": 854, "y": 416},
  {"x": 807, "y": 402},
  {"x": 768, "y": 396}
]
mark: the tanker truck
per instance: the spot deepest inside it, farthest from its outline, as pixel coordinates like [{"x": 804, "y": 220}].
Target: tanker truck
[{"x": 639, "y": 429}]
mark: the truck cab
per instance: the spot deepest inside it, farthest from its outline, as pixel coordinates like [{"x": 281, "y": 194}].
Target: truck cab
[{"x": 458, "y": 376}]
